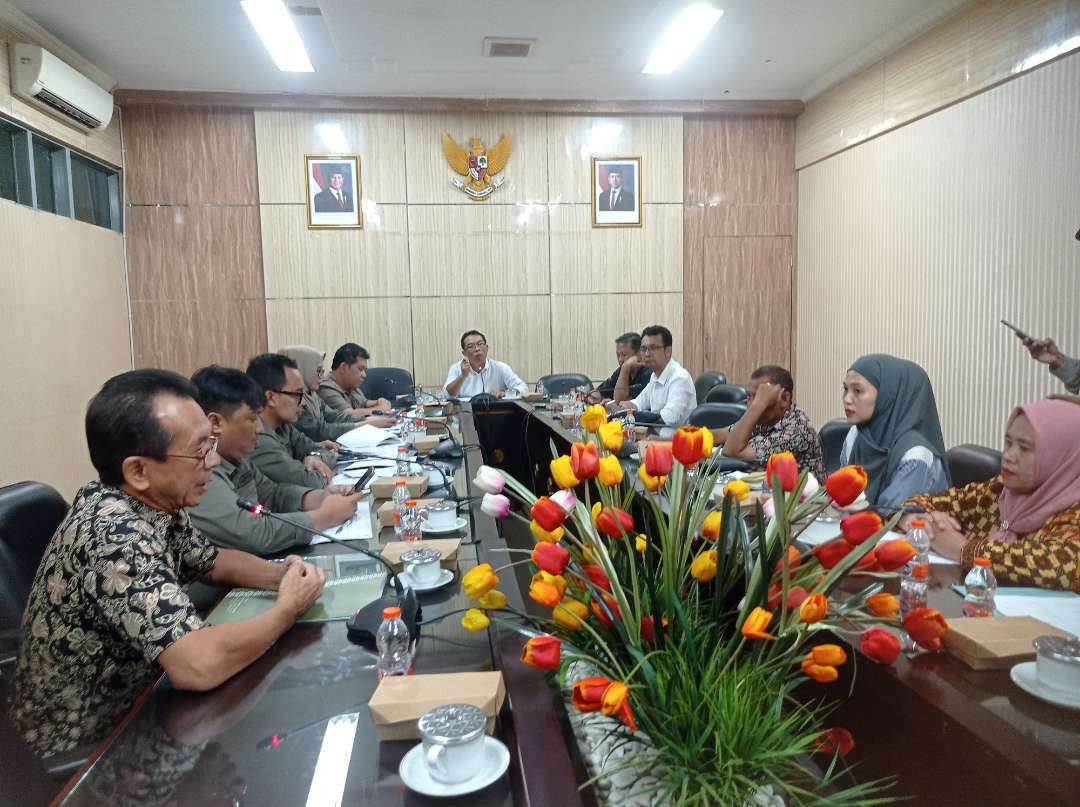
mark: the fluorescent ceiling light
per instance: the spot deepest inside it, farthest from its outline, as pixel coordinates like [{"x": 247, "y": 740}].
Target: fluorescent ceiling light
[
  {"x": 275, "y": 27},
  {"x": 680, "y": 39},
  {"x": 332, "y": 137}
]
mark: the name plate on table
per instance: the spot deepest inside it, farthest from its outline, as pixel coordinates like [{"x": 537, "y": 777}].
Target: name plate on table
[
  {"x": 400, "y": 700},
  {"x": 352, "y": 581},
  {"x": 995, "y": 642},
  {"x": 383, "y": 487},
  {"x": 393, "y": 550}
]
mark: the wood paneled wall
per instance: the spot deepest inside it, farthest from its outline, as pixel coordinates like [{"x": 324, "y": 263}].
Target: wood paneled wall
[
  {"x": 194, "y": 242},
  {"x": 739, "y": 223},
  {"x": 984, "y": 43},
  {"x": 918, "y": 241}
]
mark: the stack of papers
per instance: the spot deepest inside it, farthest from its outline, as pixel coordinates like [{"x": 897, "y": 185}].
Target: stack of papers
[
  {"x": 355, "y": 529},
  {"x": 1058, "y": 608},
  {"x": 364, "y": 439}
]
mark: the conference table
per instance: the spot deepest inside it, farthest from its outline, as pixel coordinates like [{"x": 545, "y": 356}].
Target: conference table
[{"x": 951, "y": 735}]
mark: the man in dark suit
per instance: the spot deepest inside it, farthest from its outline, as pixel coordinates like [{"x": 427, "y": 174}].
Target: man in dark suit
[
  {"x": 334, "y": 199},
  {"x": 617, "y": 197}
]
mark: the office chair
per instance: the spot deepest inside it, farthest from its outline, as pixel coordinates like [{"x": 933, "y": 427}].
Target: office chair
[
  {"x": 972, "y": 463},
  {"x": 558, "y": 384},
  {"x": 726, "y": 393},
  {"x": 832, "y": 436},
  {"x": 716, "y": 415},
  {"x": 387, "y": 382},
  {"x": 706, "y": 381}
]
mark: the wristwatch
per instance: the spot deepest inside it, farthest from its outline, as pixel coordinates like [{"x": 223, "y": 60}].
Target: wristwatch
[{"x": 315, "y": 454}]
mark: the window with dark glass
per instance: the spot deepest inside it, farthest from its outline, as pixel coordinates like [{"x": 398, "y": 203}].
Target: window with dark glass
[
  {"x": 51, "y": 177},
  {"x": 14, "y": 165},
  {"x": 95, "y": 191}
]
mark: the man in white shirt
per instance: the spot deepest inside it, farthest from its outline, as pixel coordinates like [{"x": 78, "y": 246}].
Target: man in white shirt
[
  {"x": 670, "y": 392},
  {"x": 476, "y": 373}
]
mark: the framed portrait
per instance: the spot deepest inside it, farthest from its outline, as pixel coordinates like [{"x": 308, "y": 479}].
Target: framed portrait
[
  {"x": 333, "y": 191},
  {"x": 616, "y": 196}
]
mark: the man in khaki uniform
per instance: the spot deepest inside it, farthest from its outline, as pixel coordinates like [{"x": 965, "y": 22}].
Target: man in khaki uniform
[{"x": 341, "y": 391}]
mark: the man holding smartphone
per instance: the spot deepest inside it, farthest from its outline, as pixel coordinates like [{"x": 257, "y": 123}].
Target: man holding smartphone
[
  {"x": 231, "y": 400},
  {"x": 476, "y": 373},
  {"x": 1065, "y": 368}
]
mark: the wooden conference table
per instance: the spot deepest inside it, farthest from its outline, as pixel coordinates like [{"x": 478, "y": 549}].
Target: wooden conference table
[{"x": 950, "y": 735}]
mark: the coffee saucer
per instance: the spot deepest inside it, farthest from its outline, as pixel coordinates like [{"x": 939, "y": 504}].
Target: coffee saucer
[
  {"x": 457, "y": 526},
  {"x": 1025, "y": 677},
  {"x": 414, "y": 771},
  {"x": 445, "y": 576}
]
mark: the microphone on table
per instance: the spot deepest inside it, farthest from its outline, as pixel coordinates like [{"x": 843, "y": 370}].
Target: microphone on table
[
  {"x": 364, "y": 624},
  {"x": 455, "y": 449}
]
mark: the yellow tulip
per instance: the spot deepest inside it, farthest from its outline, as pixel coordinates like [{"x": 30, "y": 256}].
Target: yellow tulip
[
  {"x": 703, "y": 568},
  {"x": 641, "y": 543},
  {"x": 570, "y": 613},
  {"x": 593, "y": 418},
  {"x": 493, "y": 600},
  {"x": 611, "y": 435},
  {"x": 652, "y": 483},
  {"x": 610, "y": 471},
  {"x": 710, "y": 528},
  {"x": 479, "y": 580},
  {"x": 562, "y": 473},
  {"x": 542, "y": 535},
  {"x": 737, "y": 488},
  {"x": 475, "y": 620}
]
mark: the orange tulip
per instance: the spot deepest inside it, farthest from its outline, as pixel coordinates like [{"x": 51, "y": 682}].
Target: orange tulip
[
  {"x": 626, "y": 715},
  {"x": 540, "y": 534},
  {"x": 782, "y": 466},
  {"x": 832, "y": 552},
  {"x": 552, "y": 558},
  {"x": 588, "y": 693},
  {"x": 880, "y": 645},
  {"x": 710, "y": 528},
  {"x": 835, "y": 740},
  {"x": 542, "y": 652},
  {"x": 814, "y": 609},
  {"x": 691, "y": 444},
  {"x": 927, "y": 627},
  {"x": 570, "y": 613},
  {"x": 612, "y": 699},
  {"x": 857, "y": 527},
  {"x": 845, "y": 485},
  {"x": 562, "y": 473},
  {"x": 585, "y": 460},
  {"x": 597, "y": 576},
  {"x": 793, "y": 562},
  {"x": 755, "y": 624},
  {"x": 883, "y": 604},
  {"x": 556, "y": 580},
  {"x": 822, "y": 673},
  {"x": 868, "y": 562},
  {"x": 548, "y": 514},
  {"x": 544, "y": 593},
  {"x": 832, "y": 655},
  {"x": 658, "y": 459},
  {"x": 892, "y": 555},
  {"x": 651, "y": 483}
]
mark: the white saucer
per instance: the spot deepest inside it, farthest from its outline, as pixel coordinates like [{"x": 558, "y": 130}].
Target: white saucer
[
  {"x": 460, "y": 524},
  {"x": 414, "y": 773},
  {"x": 445, "y": 576},
  {"x": 1025, "y": 677}
]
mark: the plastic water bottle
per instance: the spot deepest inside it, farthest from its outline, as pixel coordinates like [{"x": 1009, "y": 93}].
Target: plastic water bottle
[
  {"x": 919, "y": 539},
  {"x": 915, "y": 577},
  {"x": 401, "y": 495},
  {"x": 980, "y": 586},
  {"x": 402, "y": 462},
  {"x": 410, "y": 522},
  {"x": 394, "y": 645}
]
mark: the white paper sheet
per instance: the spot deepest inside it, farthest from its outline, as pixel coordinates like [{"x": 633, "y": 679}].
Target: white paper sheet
[
  {"x": 1060, "y": 609},
  {"x": 367, "y": 437},
  {"x": 357, "y": 529}
]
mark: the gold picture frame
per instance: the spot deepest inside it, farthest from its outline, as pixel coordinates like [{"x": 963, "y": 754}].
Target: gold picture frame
[
  {"x": 333, "y": 204},
  {"x": 628, "y": 202}
]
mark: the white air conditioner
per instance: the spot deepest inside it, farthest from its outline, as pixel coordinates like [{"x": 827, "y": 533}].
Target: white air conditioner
[{"x": 42, "y": 79}]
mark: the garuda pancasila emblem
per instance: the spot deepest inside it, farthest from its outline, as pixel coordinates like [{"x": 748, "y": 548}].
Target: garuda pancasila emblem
[{"x": 479, "y": 166}]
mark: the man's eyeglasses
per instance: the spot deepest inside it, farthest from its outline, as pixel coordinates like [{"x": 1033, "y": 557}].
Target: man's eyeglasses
[
  {"x": 297, "y": 394},
  {"x": 211, "y": 448},
  {"x": 475, "y": 345},
  {"x": 651, "y": 348}
]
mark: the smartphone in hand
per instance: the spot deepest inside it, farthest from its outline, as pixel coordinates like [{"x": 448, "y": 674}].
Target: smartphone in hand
[
  {"x": 361, "y": 483},
  {"x": 1019, "y": 333}
]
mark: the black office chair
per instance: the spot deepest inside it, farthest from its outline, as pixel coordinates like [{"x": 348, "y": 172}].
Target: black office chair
[
  {"x": 716, "y": 415},
  {"x": 832, "y": 436},
  {"x": 558, "y": 384},
  {"x": 387, "y": 382},
  {"x": 972, "y": 463},
  {"x": 726, "y": 393},
  {"x": 706, "y": 381}
]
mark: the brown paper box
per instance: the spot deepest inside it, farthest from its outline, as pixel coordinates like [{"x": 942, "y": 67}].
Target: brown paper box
[
  {"x": 383, "y": 486},
  {"x": 400, "y": 700},
  {"x": 426, "y": 443},
  {"x": 533, "y": 397},
  {"x": 448, "y": 546},
  {"x": 996, "y": 642},
  {"x": 386, "y": 511}
]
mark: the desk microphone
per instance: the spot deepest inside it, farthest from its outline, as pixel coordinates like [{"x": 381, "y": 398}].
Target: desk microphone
[
  {"x": 364, "y": 624},
  {"x": 454, "y": 451}
]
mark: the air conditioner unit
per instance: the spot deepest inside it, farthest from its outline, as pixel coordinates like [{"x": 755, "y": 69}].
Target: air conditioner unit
[{"x": 42, "y": 79}]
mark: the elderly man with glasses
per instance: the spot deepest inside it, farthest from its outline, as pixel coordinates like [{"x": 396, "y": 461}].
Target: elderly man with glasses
[
  {"x": 476, "y": 373},
  {"x": 109, "y": 610}
]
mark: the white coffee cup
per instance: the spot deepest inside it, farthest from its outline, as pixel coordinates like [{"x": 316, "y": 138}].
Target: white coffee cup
[
  {"x": 453, "y": 739},
  {"x": 1057, "y": 662},
  {"x": 423, "y": 565},
  {"x": 442, "y": 515}
]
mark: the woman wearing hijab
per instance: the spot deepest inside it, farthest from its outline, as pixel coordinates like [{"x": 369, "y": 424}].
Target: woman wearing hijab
[
  {"x": 1027, "y": 521},
  {"x": 317, "y": 421},
  {"x": 895, "y": 432}
]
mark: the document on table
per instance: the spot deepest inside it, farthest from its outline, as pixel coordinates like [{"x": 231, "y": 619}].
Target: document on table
[
  {"x": 1058, "y": 608},
  {"x": 366, "y": 437},
  {"x": 355, "y": 529}
]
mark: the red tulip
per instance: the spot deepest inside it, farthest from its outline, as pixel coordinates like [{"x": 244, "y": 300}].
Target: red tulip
[
  {"x": 794, "y": 560},
  {"x": 795, "y": 596},
  {"x": 648, "y": 627},
  {"x": 880, "y": 645},
  {"x": 868, "y": 562},
  {"x": 542, "y": 652},
  {"x": 892, "y": 555},
  {"x": 857, "y": 527},
  {"x": 548, "y": 514},
  {"x": 690, "y": 444},
  {"x": 832, "y": 552},
  {"x": 927, "y": 627},
  {"x": 596, "y": 576},
  {"x": 658, "y": 459},
  {"x": 614, "y": 523},
  {"x": 845, "y": 485},
  {"x": 601, "y": 614},
  {"x": 585, "y": 460},
  {"x": 588, "y": 694},
  {"x": 835, "y": 740},
  {"x": 782, "y": 466},
  {"x": 552, "y": 558}
]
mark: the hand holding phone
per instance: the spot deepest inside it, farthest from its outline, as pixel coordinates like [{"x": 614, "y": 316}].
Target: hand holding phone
[
  {"x": 361, "y": 483},
  {"x": 1019, "y": 333}
]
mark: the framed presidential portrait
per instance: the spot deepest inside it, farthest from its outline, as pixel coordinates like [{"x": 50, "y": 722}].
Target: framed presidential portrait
[
  {"x": 333, "y": 191},
  {"x": 616, "y": 194}
]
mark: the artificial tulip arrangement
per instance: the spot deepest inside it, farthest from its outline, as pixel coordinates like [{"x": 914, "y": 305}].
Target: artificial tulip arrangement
[{"x": 699, "y": 621}]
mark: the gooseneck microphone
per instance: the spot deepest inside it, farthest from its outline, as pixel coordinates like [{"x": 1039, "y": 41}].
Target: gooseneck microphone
[{"x": 364, "y": 624}]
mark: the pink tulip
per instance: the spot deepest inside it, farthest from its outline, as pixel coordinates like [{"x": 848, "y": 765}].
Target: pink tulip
[
  {"x": 810, "y": 488},
  {"x": 565, "y": 499},
  {"x": 495, "y": 505},
  {"x": 489, "y": 480},
  {"x": 768, "y": 509}
]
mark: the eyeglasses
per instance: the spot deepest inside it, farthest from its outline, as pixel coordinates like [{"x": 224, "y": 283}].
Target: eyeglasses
[
  {"x": 297, "y": 394},
  {"x": 475, "y": 345},
  {"x": 651, "y": 348},
  {"x": 211, "y": 448}
]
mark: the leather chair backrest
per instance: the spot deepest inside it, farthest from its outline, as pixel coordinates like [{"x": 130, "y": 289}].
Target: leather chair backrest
[
  {"x": 726, "y": 393},
  {"x": 387, "y": 382},
  {"x": 832, "y": 436},
  {"x": 706, "y": 381},
  {"x": 30, "y": 512},
  {"x": 558, "y": 384},
  {"x": 972, "y": 463},
  {"x": 716, "y": 415}
]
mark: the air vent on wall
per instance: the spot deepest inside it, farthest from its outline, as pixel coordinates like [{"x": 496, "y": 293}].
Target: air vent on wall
[{"x": 502, "y": 48}]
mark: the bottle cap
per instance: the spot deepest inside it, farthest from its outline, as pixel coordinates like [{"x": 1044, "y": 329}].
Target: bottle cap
[
  {"x": 918, "y": 522},
  {"x": 391, "y": 612},
  {"x": 411, "y": 503},
  {"x": 983, "y": 562},
  {"x": 921, "y": 571},
  {"x": 400, "y": 482}
]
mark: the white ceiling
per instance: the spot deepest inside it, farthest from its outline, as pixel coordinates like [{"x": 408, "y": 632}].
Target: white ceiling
[{"x": 586, "y": 49}]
